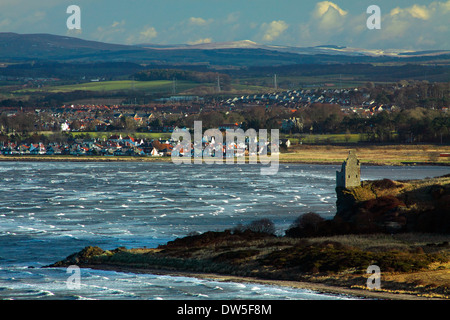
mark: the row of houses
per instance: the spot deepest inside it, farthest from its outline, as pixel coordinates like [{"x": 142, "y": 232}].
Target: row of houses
[
  {"x": 129, "y": 146},
  {"x": 294, "y": 98},
  {"x": 211, "y": 148},
  {"x": 114, "y": 146},
  {"x": 337, "y": 96}
]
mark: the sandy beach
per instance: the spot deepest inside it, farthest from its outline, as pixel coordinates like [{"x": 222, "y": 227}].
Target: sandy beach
[{"x": 357, "y": 293}]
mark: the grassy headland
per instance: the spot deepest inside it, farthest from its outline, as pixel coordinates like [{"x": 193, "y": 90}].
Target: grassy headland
[
  {"x": 400, "y": 226},
  {"x": 414, "y": 266}
]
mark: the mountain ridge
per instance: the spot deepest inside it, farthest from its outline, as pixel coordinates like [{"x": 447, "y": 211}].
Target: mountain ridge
[
  {"x": 16, "y": 47},
  {"x": 321, "y": 49}
]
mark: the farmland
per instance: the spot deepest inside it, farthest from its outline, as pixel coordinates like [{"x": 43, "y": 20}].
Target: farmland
[{"x": 121, "y": 85}]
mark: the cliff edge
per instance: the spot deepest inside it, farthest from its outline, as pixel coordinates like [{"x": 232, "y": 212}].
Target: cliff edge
[{"x": 396, "y": 206}]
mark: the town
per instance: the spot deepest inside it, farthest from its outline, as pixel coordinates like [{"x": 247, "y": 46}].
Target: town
[
  {"x": 116, "y": 145},
  {"x": 144, "y": 130}
]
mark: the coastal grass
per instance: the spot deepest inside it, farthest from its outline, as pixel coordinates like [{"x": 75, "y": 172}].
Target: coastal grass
[
  {"x": 369, "y": 154},
  {"x": 414, "y": 264}
]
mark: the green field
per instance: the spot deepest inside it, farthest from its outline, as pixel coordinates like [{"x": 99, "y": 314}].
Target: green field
[
  {"x": 251, "y": 85},
  {"x": 322, "y": 138},
  {"x": 122, "y": 85},
  {"x": 332, "y": 81},
  {"x": 156, "y": 86}
]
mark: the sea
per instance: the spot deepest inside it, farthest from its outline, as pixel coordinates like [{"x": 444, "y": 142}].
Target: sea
[{"x": 49, "y": 210}]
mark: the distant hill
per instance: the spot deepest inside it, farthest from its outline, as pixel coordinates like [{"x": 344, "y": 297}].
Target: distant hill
[
  {"x": 322, "y": 50},
  {"x": 46, "y": 47}
]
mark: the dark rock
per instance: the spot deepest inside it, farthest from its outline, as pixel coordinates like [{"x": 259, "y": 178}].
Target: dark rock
[{"x": 79, "y": 258}]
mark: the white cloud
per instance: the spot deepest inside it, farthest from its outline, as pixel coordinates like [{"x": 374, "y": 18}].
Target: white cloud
[
  {"x": 416, "y": 11},
  {"x": 328, "y": 17},
  {"x": 117, "y": 24},
  {"x": 327, "y": 23},
  {"x": 325, "y": 6},
  {"x": 415, "y": 27},
  {"x": 146, "y": 35},
  {"x": 199, "y": 21},
  {"x": 111, "y": 32},
  {"x": 273, "y": 30}
]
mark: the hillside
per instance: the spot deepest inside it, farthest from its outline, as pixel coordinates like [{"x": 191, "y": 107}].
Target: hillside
[
  {"x": 45, "y": 47},
  {"x": 26, "y": 47}
]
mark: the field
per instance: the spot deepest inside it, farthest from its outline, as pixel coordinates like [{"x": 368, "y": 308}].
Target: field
[
  {"x": 247, "y": 85},
  {"x": 373, "y": 154},
  {"x": 332, "y": 81},
  {"x": 122, "y": 85},
  {"x": 150, "y": 87},
  {"x": 323, "y": 138}
]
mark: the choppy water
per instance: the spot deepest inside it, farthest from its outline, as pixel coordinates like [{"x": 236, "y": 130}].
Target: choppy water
[{"x": 50, "y": 210}]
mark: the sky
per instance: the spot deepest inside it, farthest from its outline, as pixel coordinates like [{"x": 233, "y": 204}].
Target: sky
[{"x": 404, "y": 24}]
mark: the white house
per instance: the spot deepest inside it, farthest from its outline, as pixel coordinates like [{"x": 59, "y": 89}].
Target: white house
[
  {"x": 155, "y": 153},
  {"x": 65, "y": 126}
]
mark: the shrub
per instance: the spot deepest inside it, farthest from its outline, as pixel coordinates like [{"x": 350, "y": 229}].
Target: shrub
[
  {"x": 329, "y": 256},
  {"x": 306, "y": 225},
  {"x": 335, "y": 257},
  {"x": 384, "y": 184},
  {"x": 233, "y": 256},
  {"x": 262, "y": 226}
]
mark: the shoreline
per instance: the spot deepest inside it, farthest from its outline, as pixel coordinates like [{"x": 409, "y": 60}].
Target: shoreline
[
  {"x": 368, "y": 155},
  {"x": 169, "y": 160},
  {"x": 319, "y": 288}
]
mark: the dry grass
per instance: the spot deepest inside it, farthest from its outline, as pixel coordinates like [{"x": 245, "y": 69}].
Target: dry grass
[{"x": 393, "y": 155}]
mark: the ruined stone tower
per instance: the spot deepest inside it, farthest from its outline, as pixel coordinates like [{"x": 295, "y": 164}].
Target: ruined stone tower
[{"x": 350, "y": 175}]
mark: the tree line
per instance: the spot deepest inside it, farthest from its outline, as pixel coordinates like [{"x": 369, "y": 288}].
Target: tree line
[
  {"x": 418, "y": 125},
  {"x": 186, "y": 75}
]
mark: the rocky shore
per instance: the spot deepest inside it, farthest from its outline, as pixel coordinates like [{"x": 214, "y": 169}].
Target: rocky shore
[
  {"x": 330, "y": 265},
  {"x": 403, "y": 227}
]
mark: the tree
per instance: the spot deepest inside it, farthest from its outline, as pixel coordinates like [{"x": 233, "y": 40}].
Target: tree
[
  {"x": 75, "y": 125},
  {"x": 441, "y": 126},
  {"x": 306, "y": 225},
  {"x": 262, "y": 225},
  {"x": 155, "y": 123}
]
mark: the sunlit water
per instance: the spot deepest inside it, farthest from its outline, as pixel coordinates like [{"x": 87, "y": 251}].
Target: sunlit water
[{"x": 51, "y": 210}]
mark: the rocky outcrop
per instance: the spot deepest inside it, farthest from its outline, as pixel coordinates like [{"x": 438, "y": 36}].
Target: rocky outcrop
[
  {"x": 79, "y": 258},
  {"x": 392, "y": 206}
]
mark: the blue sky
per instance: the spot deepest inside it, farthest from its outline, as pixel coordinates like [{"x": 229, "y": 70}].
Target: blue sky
[{"x": 405, "y": 24}]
